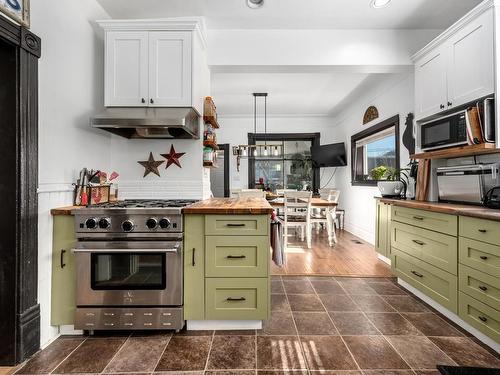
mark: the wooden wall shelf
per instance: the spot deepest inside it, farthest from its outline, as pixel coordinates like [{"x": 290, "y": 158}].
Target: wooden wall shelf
[
  {"x": 212, "y": 121},
  {"x": 457, "y": 152},
  {"x": 209, "y": 164}
]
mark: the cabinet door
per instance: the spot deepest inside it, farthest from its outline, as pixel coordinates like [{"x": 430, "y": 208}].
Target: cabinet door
[
  {"x": 382, "y": 228},
  {"x": 431, "y": 83},
  {"x": 63, "y": 271},
  {"x": 170, "y": 69},
  {"x": 126, "y": 69},
  {"x": 471, "y": 72}
]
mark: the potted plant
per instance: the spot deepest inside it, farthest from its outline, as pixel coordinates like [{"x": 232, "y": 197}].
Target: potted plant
[{"x": 391, "y": 182}]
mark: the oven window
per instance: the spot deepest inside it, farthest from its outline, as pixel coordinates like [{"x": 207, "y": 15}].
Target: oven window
[
  {"x": 128, "y": 271},
  {"x": 437, "y": 133}
]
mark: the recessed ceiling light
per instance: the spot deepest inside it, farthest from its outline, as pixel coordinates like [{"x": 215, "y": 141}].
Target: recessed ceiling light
[
  {"x": 254, "y": 4},
  {"x": 379, "y": 3}
]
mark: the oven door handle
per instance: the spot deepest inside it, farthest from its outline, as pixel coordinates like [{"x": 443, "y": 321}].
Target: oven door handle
[{"x": 107, "y": 251}]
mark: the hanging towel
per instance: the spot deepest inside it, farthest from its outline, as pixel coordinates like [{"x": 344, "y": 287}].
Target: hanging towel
[{"x": 279, "y": 257}]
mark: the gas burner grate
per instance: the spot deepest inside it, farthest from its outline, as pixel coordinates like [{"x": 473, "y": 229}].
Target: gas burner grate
[{"x": 146, "y": 203}]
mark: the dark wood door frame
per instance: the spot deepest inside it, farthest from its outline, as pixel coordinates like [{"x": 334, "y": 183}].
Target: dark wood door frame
[
  {"x": 19, "y": 308},
  {"x": 225, "y": 147}
]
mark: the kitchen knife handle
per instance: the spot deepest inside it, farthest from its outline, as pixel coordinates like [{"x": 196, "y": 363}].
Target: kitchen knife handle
[
  {"x": 62, "y": 258},
  {"x": 231, "y": 299},
  {"x": 417, "y": 274},
  {"x": 193, "y": 260},
  {"x": 418, "y": 242}
]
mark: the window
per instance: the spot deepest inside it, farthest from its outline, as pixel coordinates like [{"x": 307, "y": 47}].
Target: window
[
  {"x": 291, "y": 170},
  {"x": 374, "y": 147}
]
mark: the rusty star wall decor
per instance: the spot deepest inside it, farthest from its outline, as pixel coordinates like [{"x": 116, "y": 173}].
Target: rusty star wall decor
[
  {"x": 151, "y": 165},
  {"x": 173, "y": 157}
]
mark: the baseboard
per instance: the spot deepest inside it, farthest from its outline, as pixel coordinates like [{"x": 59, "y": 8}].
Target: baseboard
[
  {"x": 360, "y": 232},
  {"x": 384, "y": 259},
  {"x": 69, "y": 330},
  {"x": 201, "y": 325},
  {"x": 452, "y": 316}
]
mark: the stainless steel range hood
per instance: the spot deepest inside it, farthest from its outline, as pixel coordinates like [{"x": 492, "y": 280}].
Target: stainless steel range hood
[{"x": 159, "y": 123}]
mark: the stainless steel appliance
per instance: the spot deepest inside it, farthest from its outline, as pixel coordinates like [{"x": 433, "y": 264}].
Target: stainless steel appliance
[
  {"x": 467, "y": 183},
  {"x": 447, "y": 131},
  {"x": 129, "y": 263}
]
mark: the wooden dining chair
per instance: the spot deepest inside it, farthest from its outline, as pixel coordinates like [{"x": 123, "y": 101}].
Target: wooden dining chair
[
  {"x": 297, "y": 215},
  {"x": 326, "y": 217},
  {"x": 251, "y": 193}
]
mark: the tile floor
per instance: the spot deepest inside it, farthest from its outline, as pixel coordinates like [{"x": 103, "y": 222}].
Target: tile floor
[{"x": 334, "y": 326}]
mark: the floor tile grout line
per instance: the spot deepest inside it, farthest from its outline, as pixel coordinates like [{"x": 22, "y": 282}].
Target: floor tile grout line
[
  {"x": 209, "y": 351},
  {"x": 116, "y": 353},
  {"x": 163, "y": 351},
  {"x": 65, "y": 358}
]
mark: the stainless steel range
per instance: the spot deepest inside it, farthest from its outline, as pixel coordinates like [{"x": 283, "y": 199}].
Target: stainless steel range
[{"x": 129, "y": 262}]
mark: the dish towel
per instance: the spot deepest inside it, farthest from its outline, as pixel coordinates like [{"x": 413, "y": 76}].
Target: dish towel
[{"x": 279, "y": 256}]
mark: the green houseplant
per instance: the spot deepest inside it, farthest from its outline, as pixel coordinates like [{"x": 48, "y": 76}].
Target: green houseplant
[{"x": 391, "y": 182}]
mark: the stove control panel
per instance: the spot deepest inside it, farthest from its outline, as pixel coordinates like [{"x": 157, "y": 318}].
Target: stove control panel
[{"x": 128, "y": 223}]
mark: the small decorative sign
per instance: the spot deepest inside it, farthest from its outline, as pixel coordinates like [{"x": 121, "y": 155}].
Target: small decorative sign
[
  {"x": 370, "y": 114},
  {"x": 18, "y": 10}
]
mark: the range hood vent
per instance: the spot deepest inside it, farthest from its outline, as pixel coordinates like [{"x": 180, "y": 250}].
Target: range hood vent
[{"x": 149, "y": 123}]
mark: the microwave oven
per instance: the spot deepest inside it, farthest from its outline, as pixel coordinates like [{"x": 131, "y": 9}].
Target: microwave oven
[{"x": 447, "y": 131}]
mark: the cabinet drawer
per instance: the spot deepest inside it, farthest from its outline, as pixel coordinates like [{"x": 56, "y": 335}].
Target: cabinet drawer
[
  {"x": 242, "y": 256},
  {"x": 237, "y": 225},
  {"x": 479, "y": 255},
  {"x": 480, "y": 229},
  {"x": 480, "y": 316},
  {"x": 236, "y": 299},
  {"x": 440, "y": 285},
  {"x": 482, "y": 287},
  {"x": 437, "y": 249},
  {"x": 435, "y": 221}
]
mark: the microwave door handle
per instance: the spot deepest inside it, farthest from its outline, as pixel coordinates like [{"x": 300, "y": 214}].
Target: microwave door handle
[{"x": 107, "y": 251}]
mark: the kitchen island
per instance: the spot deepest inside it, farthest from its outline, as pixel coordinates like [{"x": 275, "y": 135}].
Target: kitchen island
[{"x": 226, "y": 263}]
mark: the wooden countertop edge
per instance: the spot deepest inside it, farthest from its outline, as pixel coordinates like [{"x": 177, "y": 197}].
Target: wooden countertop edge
[
  {"x": 447, "y": 208},
  {"x": 64, "y": 210},
  {"x": 227, "y": 211}
]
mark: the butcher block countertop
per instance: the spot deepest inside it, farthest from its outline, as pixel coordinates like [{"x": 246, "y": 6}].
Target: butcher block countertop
[
  {"x": 64, "y": 210},
  {"x": 230, "y": 206},
  {"x": 447, "y": 208}
]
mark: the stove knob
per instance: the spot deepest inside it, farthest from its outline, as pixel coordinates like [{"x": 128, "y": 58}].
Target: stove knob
[
  {"x": 128, "y": 226},
  {"x": 91, "y": 223},
  {"x": 152, "y": 223},
  {"x": 164, "y": 223},
  {"x": 104, "y": 223}
]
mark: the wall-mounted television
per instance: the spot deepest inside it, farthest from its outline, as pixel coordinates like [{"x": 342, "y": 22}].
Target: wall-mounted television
[{"x": 332, "y": 155}]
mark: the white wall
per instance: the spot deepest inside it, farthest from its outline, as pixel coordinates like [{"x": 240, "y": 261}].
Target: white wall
[
  {"x": 395, "y": 96},
  {"x": 70, "y": 90},
  {"x": 234, "y": 130}
]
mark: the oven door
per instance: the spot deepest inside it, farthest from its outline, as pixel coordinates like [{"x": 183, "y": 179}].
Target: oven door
[{"x": 129, "y": 273}]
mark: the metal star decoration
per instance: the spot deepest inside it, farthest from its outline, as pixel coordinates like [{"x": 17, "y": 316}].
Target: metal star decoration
[
  {"x": 151, "y": 165},
  {"x": 173, "y": 157}
]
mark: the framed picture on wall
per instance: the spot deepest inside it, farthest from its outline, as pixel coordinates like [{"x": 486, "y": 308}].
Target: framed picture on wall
[{"x": 17, "y": 10}]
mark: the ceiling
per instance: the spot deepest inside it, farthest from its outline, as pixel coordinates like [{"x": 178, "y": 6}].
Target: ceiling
[{"x": 300, "y": 14}]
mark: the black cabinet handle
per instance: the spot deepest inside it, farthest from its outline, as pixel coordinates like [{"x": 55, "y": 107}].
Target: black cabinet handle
[
  {"x": 482, "y": 230},
  {"x": 62, "y": 258},
  {"x": 235, "y": 225},
  {"x": 236, "y": 257},
  {"x": 450, "y": 104},
  {"x": 231, "y": 299},
  {"x": 483, "y": 288},
  {"x": 417, "y": 274},
  {"x": 192, "y": 259},
  {"x": 418, "y": 218},
  {"x": 441, "y": 106},
  {"x": 143, "y": 100},
  {"x": 482, "y": 318},
  {"x": 151, "y": 101},
  {"x": 418, "y": 242},
  {"x": 483, "y": 257}
]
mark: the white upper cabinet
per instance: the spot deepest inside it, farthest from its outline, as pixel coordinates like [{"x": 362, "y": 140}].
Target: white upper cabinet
[
  {"x": 458, "y": 67},
  {"x": 126, "y": 69},
  {"x": 431, "y": 83},
  {"x": 170, "y": 68},
  {"x": 158, "y": 63},
  {"x": 471, "y": 72}
]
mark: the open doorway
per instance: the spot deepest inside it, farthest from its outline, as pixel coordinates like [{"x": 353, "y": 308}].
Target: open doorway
[{"x": 219, "y": 177}]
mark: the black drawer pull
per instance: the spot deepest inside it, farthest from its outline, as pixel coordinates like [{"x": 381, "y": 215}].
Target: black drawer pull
[
  {"x": 418, "y": 242},
  {"x": 231, "y": 299},
  {"x": 232, "y": 225},
  {"x": 236, "y": 257},
  {"x": 418, "y": 218},
  {"x": 483, "y": 288},
  {"x": 483, "y": 318},
  {"x": 482, "y": 230},
  {"x": 193, "y": 260},
  {"x": 62, "y": 258},
  {"x": 417, "y": 274},
  {"x": 483, "y": 257}
]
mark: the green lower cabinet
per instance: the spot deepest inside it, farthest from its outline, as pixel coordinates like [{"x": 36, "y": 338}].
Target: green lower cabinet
[
  {"x": 480, "y": 229},
  {"x": 483, "y": 287},
  {"x": 480, "y": 316},
  {"x": 480, "y": 255},
  {"x": 236, "y": 299},
  {"x": 63, "y": 303},
  {"x": 439, "y": 285},
  {"x": 194, "y": 267},
  {"x": 382, "y": 230}
]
